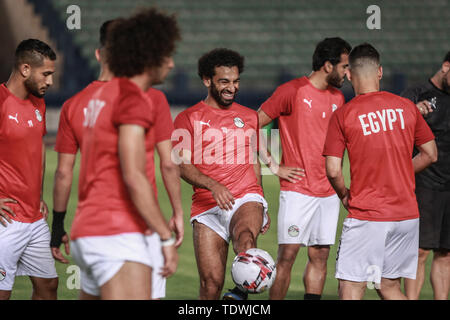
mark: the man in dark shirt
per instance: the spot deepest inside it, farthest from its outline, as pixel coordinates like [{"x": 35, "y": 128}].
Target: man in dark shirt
[{"x": 433, "y": 185}]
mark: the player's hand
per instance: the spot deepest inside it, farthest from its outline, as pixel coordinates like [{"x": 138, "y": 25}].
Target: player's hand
[
  {"x": 289, "y": 173},
  {"x": 223, "y": 196},
  {"x": 424, "y": 107},
  {"x": 176, "y": 224},
  {"x": 170, "y": 261},
  {"x": 344, "y": 199},
  {"x": 43, "y": 209},
  {"x": 6, "y": 211},
  {"x": 266, "y": 226},
  {"x": 56, "y": 252}
]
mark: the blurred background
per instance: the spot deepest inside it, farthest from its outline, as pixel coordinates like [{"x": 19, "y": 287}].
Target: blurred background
[{"x": 277, "y": 39}]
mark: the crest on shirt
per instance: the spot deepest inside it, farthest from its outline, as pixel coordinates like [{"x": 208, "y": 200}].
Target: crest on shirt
[
  {"x": 2, "y": 274},
  {"x": 38, "y": 115},
  {"x": 293, "y": 231},
  {"x": 333, "y": 107},
  {"x": 238, "y": 122}
]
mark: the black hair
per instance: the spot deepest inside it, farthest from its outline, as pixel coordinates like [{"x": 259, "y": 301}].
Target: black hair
[
  {"x": 447, "y": 57},
  {"x": 219, "y": 57},
  {"x": 329, "y": 49},
  {"x": 103, "y": 32},
  {"x": 140, "y": 42},
  {"x": 366, "y": 51},
  {"x": 33, "y": 52}
]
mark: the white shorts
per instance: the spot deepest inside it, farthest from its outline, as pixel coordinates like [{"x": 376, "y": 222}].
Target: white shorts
[
  {"x": 158, "y": 281},
  {"x": 307, "y": 220},
  {"x": 101, "y": 257},
  {"x": 25, "y": 251},
  {"x": 371, "y": 250},
  {"x": 219, "y": 220}
]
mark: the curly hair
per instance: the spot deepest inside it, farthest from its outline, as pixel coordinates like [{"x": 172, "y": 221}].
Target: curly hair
[
  {"x": 219, "y": 57},
  {"x": 140, "y": 42}
]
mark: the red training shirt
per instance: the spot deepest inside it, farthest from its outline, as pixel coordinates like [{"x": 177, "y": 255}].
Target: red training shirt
[
  {"x": 22, "y": 126},
  {"x": 379, "y": 130},
  {"x": 303, "y": 113}
]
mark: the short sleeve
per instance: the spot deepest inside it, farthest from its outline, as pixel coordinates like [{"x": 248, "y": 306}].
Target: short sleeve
[
  {"x": 335, "y": 139},
  {"x": 133, "y": 107},
  {"x": 66, "y": 141},
  {"x": 163, "y": 120},
  {"x": 281, "y": 102},
  {"x": 423, "y": 133}
]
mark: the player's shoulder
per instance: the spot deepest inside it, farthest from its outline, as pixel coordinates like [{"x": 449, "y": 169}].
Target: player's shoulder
[
  {"x": 4, "y": 93},
  {"x": 189, "y": 111},
  {"x": 243, "y": 109},
  {"x": 293, "y": 85},
  {"x": 396, "y": 98}
]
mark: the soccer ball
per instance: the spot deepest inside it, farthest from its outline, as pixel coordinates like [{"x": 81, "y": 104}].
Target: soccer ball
[{"x": 253, "y": 271}]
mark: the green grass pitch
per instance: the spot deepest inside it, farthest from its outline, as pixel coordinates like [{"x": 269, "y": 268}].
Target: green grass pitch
[{"x": 185, "y": 283}]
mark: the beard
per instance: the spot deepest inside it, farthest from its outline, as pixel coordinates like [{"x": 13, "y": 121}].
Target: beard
[
  {"x": 33, "y": 88},
  {"x": 218, "y": 97},
  {"x": 334, "y": 79}
]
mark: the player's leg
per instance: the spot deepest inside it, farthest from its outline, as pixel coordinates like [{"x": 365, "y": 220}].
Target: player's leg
[
  {"x": 5, "y": 294},
  {"x": 414, "y": 286},
  {"x": 131, "y": 282},
  {"x": 44, "y": 288},
  {"x": 86, "y": 296},
  {"x": 390, "y": 289},
  {"x": 315, "y": 271},
  {"x": 323, "y": 234},
  {"x": 245, "y": 226},
  {"x": 38, "y": 263},
  {"x": 211, "y": 252},
  {"x": 351, "y": 290},
  {"x": 287, "y": 254},
  {"x": 440, "y": 274}
]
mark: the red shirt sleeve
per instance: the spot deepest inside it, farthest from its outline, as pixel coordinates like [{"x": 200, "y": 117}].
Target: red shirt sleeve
[
  {"x": 65, "y": 138},
  {"x": 335, "y": 139},
  {"x": 163, "y": 122},
  {"x": 423, "y": 133},
  {"x": 281, "y": 102},
  {"x": 133, "y": 107}
]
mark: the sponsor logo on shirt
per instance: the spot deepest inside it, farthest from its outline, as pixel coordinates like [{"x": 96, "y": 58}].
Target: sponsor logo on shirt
[
  {"x": 433, "y": 102},
  {"x": 14, "y": 118},
  {"x": 308, "y": 102},
  {"x": 205, "y": 123}
]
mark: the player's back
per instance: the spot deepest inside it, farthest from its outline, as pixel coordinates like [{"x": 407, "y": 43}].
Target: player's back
[
  {"x": 380, "y": 131},
  {"x": 104, "y": 205},
  {"x": 70, "y": 130}
]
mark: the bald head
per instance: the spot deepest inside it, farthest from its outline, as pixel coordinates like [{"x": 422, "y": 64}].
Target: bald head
[{"x": 364, "y": 60}]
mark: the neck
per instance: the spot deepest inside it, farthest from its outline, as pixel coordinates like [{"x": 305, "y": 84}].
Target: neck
[
  {"x": 105, "y": 74},
  {"x": 437, "y": 80},
  {"x": 319, "y": 80},
  {"x": 16, "y": 86},
  {"x": 365, "y": 85},
  {"x": 142, "y": 80}
]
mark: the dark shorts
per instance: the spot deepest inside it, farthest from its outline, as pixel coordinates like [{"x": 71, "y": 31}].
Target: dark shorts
[{"x": 434, "y": 208}]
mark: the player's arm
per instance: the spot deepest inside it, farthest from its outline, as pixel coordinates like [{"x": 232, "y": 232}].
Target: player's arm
[
  {"x": 61, "y": 192},
  {"x": 171, "y": 177},
  {"x": 427, "y": 155},
  {"x": 334, "y": 174},
  {"x": 132, "y": 161},
  {"x": 288, "y": 173},
  {"x": 43, "y": 206}
]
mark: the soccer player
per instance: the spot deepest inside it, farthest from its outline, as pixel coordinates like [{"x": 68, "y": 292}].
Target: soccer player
[
  {"x": 380, "y": 236},
  {"x": 433, "y": 186},
  {"x": 116, "y": 199},
  {"x": 69, "y": 140},
  {"x": 309, "y": 208},
  {"x": 24, "y": 233},
  {"x": 218, "y": 139}
]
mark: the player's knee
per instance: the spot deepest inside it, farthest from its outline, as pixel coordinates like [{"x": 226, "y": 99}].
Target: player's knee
[
  {"x": 5, "y": 295},
  {"x": 46, "y": 289},
  {"x": 319, "y": 254},
  {"x": 212, "y": 284}
]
